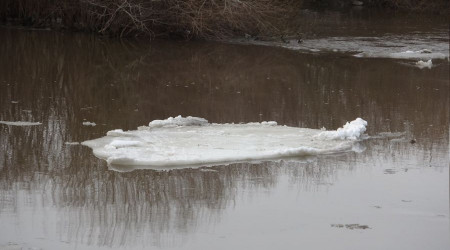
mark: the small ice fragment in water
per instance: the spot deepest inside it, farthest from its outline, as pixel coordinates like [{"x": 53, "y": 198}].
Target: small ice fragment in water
[
  {"x": 72, "y": 143},
  {"x": 89, "y": 124},
  {"x": 421, "y": 64},
  {"x": 20, "y": 123}
]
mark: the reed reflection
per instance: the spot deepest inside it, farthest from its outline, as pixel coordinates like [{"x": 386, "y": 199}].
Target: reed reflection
[{"x": 87, "y": 204}]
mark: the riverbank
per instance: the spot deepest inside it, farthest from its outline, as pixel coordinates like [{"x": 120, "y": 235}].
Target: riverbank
[
  {"x": 186, "y": 19},
  {"x": 156, "y": 18}
]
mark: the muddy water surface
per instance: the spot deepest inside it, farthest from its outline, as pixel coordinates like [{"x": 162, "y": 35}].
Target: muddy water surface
[{"x": 54, "y": 194}]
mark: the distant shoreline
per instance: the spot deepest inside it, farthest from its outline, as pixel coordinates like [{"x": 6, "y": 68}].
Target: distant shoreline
[{"x": 182, "y": 19}]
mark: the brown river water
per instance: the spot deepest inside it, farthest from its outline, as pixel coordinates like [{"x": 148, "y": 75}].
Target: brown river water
[{"x": 55, "y": 194}]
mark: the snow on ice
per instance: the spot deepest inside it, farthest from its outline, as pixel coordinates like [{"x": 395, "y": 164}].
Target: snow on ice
[{"x": 421, "y": 64}]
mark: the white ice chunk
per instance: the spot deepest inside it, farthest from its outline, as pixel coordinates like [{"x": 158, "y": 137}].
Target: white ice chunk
[
  {"x": 351, "y": 131},
  {"x": 173, "y": 146},
  {"x": 20, "y": 123},
  {"x": 89, "y": 124},
  {"x": 421, "y": 64},
  {"x": 72, "y": 143},
  {"x": 178, "y": 121}
]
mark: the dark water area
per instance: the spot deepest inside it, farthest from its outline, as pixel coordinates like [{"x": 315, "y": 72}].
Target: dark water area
[{"x": 55, "y": 194}]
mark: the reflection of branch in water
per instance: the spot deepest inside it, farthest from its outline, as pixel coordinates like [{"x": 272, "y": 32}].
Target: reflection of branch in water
[
  {"x": 115, "y": 207},
  {"x": 223, "y": 83},
  {"x": 106, "y": 208}
]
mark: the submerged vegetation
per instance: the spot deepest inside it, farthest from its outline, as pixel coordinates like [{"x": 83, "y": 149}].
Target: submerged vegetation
[{"x": 181, "y": 18}]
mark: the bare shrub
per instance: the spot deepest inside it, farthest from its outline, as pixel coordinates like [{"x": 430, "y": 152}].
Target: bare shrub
[
  {"x": 186, "y": 18},
  {"x": 190, "y": 18}
]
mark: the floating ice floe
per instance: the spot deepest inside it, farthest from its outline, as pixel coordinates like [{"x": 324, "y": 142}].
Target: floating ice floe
[
  {"x": 412, "y": 46},
  {"x": 423, "y": 54},
  {"x": 421, "y": 64},
  {"x": 193, "y": 142},
  {"x": 20, "y": 123},
  {"x": 419, "y": 54}
]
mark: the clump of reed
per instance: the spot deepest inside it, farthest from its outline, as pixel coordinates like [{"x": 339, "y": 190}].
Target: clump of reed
[{"x": 185, "y": 18}]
